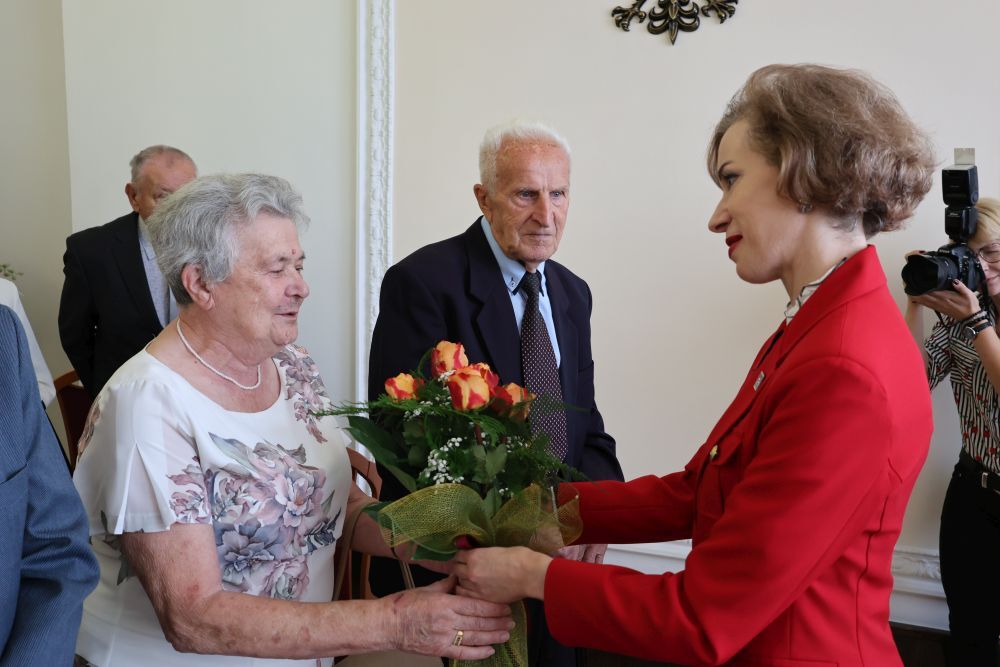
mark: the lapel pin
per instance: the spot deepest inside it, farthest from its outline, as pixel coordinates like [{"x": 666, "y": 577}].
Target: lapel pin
[{"x": 758, "y": 381}]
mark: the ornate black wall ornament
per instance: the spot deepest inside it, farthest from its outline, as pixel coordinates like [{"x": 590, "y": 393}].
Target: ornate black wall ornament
[{"x": 673, "y": 16}]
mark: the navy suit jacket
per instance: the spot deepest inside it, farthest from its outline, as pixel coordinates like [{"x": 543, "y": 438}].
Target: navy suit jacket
[
  {"x": 106, "y": 314},
  {"x": 46, "y": 565},
  {"x": 453, "y": 290}
]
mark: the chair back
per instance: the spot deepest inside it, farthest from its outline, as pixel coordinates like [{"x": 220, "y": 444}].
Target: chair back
[
  {"x": 353, "y": 567},
  {"x": 74, "y": 405},
  {"x": 365, "y": 468}
]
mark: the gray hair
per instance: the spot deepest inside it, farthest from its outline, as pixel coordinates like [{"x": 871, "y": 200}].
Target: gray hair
[
  {"x": 145, "y": 154},
  {"x": 199, "y": 223},
  {"x": 515, "y": 130}
]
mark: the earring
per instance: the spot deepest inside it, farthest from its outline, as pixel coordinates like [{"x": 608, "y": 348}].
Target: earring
[{"x": 805, "y": 207}]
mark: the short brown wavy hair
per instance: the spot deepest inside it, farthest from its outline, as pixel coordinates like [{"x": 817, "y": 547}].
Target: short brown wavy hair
[{"x": 840, "y": 140}]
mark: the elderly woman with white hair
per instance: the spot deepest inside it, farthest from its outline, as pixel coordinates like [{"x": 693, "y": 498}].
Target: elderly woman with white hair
[{"x": 215, "y": 496}]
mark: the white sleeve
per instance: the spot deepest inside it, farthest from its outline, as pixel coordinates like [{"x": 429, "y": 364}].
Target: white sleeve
[
  {"x": 12, "y": 299},
  {"x": 138, "y": 469}
]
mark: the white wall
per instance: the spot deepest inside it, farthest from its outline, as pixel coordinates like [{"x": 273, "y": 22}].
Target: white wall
[
  {"x": 241, "y": 85},
  {"x": 34, "y": 171},
  {"x": 674, "y": 328}
]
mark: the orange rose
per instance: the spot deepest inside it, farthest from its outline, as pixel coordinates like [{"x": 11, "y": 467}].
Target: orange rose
[
  {"x": 513, "y": 400},
  {"x": 492, "y": 379},
  {"x": 469, "y": 389},
  {"x": 447, "y": 356},
  {"x": 403, "y": 386}
]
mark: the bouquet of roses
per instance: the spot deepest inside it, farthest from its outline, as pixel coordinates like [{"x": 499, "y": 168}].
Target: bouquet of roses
[{"x": 460, "y": 443}]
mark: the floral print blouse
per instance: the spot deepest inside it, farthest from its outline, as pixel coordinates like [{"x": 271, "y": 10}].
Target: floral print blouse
[{"x": 273, "y": 485}]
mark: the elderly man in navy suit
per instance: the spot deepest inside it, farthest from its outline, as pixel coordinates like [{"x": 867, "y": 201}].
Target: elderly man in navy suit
[
  {"x": 48, "y": 567},
  {"x": 114, "y": 298},
  {"x": 495, "y": 289}
]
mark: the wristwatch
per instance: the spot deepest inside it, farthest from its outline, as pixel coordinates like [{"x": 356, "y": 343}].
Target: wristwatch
[{"x": 970, "y": 331}]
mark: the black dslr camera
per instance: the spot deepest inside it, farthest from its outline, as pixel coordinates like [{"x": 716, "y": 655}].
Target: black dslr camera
[{"x": 935, "y": 269}]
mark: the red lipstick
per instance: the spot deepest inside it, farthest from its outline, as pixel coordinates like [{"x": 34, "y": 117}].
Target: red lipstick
[{"x": 731, "y": 241}]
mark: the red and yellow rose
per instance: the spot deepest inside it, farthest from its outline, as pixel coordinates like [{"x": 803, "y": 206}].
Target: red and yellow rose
[
  {"x": 446, "y": 357},
  {"x": 403, "y": 386},
  {"x": 469, "y": 389},
  {"x": 512, "y": 400},
  {"x": 492, "y": 379}
]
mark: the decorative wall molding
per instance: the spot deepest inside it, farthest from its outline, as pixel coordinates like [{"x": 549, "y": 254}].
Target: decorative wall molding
[
  {"x": 673, "y": 16},
  {"x": 373, "y": 241},
  {"x": 917, "y": 597},
  {"x": 917, "y": 563}
]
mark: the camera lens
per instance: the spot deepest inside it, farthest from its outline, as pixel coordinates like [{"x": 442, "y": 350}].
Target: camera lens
[{"x": 928, "y": 272}]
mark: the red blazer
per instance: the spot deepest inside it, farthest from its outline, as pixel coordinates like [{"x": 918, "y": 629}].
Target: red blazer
[{"x": 793, "y": 504}]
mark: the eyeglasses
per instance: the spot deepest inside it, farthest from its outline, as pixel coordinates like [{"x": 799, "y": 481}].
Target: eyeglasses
[{"x": 989, "y": 253}]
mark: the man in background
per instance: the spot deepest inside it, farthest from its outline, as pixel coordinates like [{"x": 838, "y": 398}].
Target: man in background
[
  {"x": 495, "y": 289},
  {"x": 114, "y": 298}
]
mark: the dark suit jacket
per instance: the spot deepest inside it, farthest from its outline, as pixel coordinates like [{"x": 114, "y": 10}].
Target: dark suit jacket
[
  {"x": 47, "y": 565},
  {"x": 453, "y": 290},
  {"x": 106, "y": 314}
]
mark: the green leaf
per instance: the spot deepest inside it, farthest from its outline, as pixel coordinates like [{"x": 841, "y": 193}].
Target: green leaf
[
  {"x": 371, "y": 435},
  {"x": 417, "y": 456},
  {"x": 492, "y": 502},
  {"x": 382, "y": 445},
  {"x": 491, "y": 425},
  {"x": 404, "y": 478},
  {"x": 413, "y": 431},
  {"x": 495, "y": 461}
]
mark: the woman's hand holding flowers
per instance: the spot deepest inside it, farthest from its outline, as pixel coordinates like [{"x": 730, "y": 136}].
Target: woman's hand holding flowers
[
  {"x": 501, "y": 574},
  {"x": 427, "y": 620}
]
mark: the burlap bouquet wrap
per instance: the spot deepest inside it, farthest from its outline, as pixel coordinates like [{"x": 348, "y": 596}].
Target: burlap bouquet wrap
[{"x": 435, "y": 518}]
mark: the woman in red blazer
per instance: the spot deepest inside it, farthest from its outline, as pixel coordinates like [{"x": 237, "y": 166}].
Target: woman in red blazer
[{"x": 795, "y": 501}]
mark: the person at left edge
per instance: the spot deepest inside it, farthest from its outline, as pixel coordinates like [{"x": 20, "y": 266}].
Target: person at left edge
[
  {"x": 48, "y": 568},
  {"x": 114, "y": 299},
  {"x": 467, "y": 289}
]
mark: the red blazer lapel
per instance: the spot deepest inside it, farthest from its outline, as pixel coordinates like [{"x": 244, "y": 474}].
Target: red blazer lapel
[{"x": 858, "y": 276}]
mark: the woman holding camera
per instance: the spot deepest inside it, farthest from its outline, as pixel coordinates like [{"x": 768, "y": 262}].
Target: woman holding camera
[
  {"x": 964, "y": 344},
  {"x": 795, "y": 501}
]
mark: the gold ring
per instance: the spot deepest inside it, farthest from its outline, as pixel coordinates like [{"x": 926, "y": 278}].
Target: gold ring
[{"x": 458, "y": 638}]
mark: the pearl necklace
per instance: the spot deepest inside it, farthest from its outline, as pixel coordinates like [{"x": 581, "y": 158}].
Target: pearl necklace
[{"x": 244, "y": 387}]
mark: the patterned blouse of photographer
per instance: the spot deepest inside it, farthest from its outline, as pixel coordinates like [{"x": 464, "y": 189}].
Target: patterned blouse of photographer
[{"x": 964, "y": 345}]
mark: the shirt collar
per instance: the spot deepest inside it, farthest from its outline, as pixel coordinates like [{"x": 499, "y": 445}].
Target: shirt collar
[
  {"x": 144, "y": 244},
  {"x": 808, "y": 290},
  {"x": 511, "y": 269}
]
